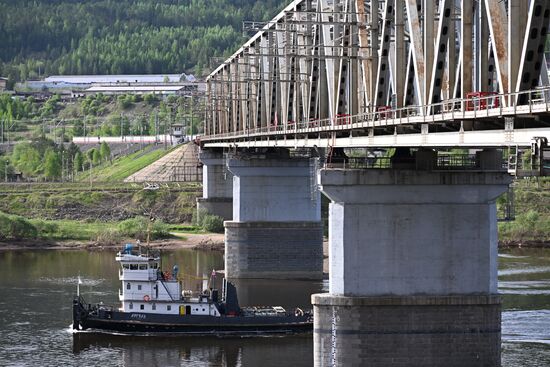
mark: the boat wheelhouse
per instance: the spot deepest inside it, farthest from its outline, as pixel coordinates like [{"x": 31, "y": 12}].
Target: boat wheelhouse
[{"x": 147, "y": 289}]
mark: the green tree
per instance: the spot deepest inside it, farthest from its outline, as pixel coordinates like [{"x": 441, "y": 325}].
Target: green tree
[
  {"x": 96, "y": 157},
  {"x": 52, "y": 165},
  {"x": 150, "y": 98},
  {"x": 78, "y": 128},
  {"x": 90, "y": 154},
  {"x": 105, "y": 151},
  {"x": 78, "y": 162},
  {"x": 5, "y": 168},
  {"x": 26, "y": 158}
]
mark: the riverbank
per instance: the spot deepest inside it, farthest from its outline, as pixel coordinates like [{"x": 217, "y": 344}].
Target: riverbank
[
  {"x": 523, "y": 244},
  {"x": 197, "y": 241}
]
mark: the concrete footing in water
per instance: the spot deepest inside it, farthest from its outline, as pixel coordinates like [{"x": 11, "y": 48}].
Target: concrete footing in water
[{"x": 427, "y": 331}]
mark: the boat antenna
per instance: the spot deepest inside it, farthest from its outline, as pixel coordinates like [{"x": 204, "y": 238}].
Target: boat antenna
[
  {"x": 149, "y": 223},
  {"x": 78, "y": 286}
]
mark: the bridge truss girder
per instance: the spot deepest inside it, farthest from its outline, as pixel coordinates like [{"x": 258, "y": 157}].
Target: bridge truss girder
[{"x": 329, "y": 59}]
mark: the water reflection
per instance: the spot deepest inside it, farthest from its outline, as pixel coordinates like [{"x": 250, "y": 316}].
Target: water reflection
[{"x": 201, "y": 351}]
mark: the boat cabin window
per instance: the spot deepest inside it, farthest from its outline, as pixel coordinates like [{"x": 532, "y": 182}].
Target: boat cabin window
[
  {"x": 154, "y": 265},
  {"x": 153, "y": 306},
  {"x": 142, "y": 307},
  {"x": 128, "y": 286},
  {"x": 131, "y": 306},
  {"x": 168, "y": 308},
  {"x": 125, "y": 266},
  {"x": 142, "y": 266},
  {"x": 133, "y": 266},
  {"x": 139, "y": 287}
]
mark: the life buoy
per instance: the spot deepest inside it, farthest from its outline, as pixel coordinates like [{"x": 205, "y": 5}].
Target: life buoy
[{"x": 146, "y": 298}]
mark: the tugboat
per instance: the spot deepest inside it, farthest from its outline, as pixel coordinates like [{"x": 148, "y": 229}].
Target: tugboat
[{"x": 152, "y": 301}]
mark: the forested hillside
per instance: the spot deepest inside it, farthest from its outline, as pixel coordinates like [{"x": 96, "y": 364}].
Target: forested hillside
[{"x": 45, "y": 37}]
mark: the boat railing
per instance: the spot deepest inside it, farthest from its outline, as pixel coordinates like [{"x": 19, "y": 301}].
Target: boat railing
[{"x": 193, "y": 296}]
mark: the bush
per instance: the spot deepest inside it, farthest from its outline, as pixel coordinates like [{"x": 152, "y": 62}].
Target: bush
[
  {"x": 198, "y": 216},
  {"x": 160, "y": 229},
  {"x": 207, "y": 221},
  {"x": 137, "y": 228},
  {"x": 213, "y": 223},
  {"x": 4, "y": 226},
  {"x": 134, "y": 227},
  {"x": 16, "y": 227},
  {"x": 150, "y": 98},
  {"x": 45, "y": 229},
  {"x": 125, "y": 101},
  {"x": 109, "y": 236}
]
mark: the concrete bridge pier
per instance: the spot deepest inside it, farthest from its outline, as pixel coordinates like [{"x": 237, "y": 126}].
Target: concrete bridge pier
[
  {"x": 276, "y": 231},
  {"x": 413, "y": 268},
  {"x": 217, "y": 183}
]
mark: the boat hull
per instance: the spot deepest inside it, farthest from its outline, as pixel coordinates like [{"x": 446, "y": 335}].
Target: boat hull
[{"x": 96, "y": 318}]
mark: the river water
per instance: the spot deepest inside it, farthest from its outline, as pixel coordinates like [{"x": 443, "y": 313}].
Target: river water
[{"x": 37, "y": 287}]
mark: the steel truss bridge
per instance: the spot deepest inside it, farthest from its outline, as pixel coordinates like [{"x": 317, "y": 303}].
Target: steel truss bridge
[{"x": 375, "y": 73}]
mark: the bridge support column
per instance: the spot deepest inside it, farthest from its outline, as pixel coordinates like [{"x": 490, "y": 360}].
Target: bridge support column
[
  {"x": 276, "y": 231},
  {"x": 413, "y": 269},
  {"x": 217, "y": 185}
]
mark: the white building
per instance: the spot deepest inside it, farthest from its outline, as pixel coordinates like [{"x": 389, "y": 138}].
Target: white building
[
  {"x": 160, "y": 89},
  {"x": 106, "y": 79}
]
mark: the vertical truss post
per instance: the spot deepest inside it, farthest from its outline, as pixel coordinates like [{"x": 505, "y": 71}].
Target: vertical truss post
[
  {"x": 417, "y": 49},
  {"x": 483, "y": 47},
  {"x": 517, "y": 20},
  {"x": 382, "y": 84},
  {"x": 466, "y": 49},
  {"x": 400, "y": 53},
  {"x": 428, "y": 7}
]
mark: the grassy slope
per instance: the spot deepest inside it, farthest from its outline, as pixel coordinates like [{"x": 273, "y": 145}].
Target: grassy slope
[{"x": 123, "y": 167}]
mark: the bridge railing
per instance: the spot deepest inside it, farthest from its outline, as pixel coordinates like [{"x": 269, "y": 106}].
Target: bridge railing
[
  {"x": 476, "y": 105},
  {"x": 450, "y": 162}
]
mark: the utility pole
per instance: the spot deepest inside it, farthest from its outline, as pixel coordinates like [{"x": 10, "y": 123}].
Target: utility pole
[
  {"x": 140, "y": 136},
  {"x": 90, "y": 174},
  {"x": 191, "y": 117},
  {"x": 156, "y": 125}
]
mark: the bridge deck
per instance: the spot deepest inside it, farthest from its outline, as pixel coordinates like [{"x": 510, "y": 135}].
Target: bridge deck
[{"x": 379, "y": 129}]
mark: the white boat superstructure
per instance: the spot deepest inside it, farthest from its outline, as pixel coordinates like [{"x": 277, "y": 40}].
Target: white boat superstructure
[{"x": 146, "y": 289}]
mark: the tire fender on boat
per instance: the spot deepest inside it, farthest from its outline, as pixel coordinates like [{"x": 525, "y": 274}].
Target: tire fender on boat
[{"x": 146, "y": 298}]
